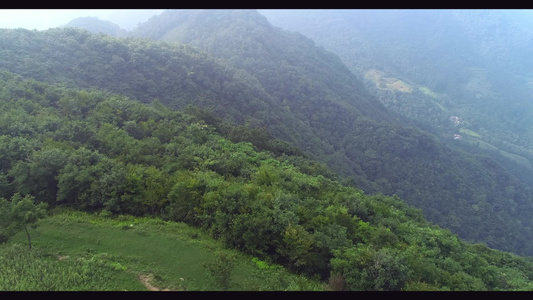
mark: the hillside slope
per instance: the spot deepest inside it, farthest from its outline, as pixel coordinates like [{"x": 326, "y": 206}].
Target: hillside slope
[
  {"x": 265, "y": 77},
  {"x": 470, "y": 66},
  {"x": 364, "y": 143},
  {"x": 104, "y": 153}
]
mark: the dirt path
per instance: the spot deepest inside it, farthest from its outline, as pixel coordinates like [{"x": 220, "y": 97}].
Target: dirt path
[
  {"x": 143, "y": 278},
  {"x": 146, "y": 279}
]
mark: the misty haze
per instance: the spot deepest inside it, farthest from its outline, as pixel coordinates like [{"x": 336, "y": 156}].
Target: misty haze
[{"x": 266, "y": 150}]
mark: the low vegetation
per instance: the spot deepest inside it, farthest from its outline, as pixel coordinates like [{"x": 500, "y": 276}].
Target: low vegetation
[{"x": 77, "y": 251}]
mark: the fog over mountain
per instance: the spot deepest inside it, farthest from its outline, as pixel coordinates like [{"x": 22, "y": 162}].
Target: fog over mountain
[
  {"x": 366, "y": 149},
  {"x": 41, "y": 19},
  {"x": 471, "y": 64}
]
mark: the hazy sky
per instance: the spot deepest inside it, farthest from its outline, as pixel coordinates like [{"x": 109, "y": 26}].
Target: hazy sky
[{"x": 42, "y": 19}]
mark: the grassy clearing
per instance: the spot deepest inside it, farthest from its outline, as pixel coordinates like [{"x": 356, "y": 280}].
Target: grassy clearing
[
  {"x": 428, "y": 92},
  {"x": 516, "y": 158},
  {"x": 78, "y": 251},
  {"x": 470, "y": 133},
  {"x": 387, "y": 83},
  {"x": 399, "y": 85}
]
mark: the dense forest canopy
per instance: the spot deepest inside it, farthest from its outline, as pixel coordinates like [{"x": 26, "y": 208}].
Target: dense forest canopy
[
  {"x": 405, "y": 161},
  {"x": 315, "y": 104},
  {"x": 118, "y": 155},
  {"x": 266, "y": 141}
]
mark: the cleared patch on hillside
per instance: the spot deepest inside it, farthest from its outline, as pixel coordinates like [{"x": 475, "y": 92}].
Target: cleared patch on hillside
[
  {"x": 470, "y": 133},
  {"x": 428, "y": 92},
  {"x": 147, "y": 280},
  {"x": 516, "y": 158},
  {"x": 387, "y": 83}
]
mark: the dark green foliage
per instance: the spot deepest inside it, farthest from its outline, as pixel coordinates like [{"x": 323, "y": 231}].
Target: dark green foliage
[
  {"x": 328, "y": 114},
  {"x": 38, "y": 174},
  {"x": 99, "y": 151},
  {"x": 367, "y": 269},
  {"x": 148, "y": 160},
  {"x": 466, "y": 63}
]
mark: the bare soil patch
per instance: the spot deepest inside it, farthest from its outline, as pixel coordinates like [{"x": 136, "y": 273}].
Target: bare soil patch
[{"x": 147, "y": 279}]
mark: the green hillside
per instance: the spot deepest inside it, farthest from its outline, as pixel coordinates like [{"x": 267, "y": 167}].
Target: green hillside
[
  {"x": 75, "y": 251},
  {"x": 143, "y": 167},
  {"x": 300, "y": 94},
  {"x": 352, "y": 133}
]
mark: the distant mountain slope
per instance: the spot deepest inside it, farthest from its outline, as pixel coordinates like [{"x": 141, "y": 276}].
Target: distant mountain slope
[
  {"x": 247, "y": 41},
  {"x": 471, "y": 64},
  {"x": 95, "y": 25},
  {"x": 264, "y": 76},
  {"x": 306, "y": 79}
]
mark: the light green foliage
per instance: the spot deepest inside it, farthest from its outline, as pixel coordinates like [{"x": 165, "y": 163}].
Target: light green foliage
[
  {"x": 366, "y": 269},
  {"x": 37, "y": 270},
  {"x": 296, "y": 247},
  {"x": 80, "y": 251},
  {"x": 19, "y": 214},
  {"x": 221, "y": 269},
  {"x": 262, "y": 264}
]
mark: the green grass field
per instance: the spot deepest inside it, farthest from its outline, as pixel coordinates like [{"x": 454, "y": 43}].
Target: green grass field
[{"x": 78, "y": 251}]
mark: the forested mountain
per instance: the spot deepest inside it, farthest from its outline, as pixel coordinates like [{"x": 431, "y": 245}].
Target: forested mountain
[
  {"x": 95, "y": 25},
  {"x": 102, "y": 152},
  {"x": 216, "y": 118},
  {"x": 249, "y": 72},
  {"x": 463, "y": 74},
  {"x": 472, "y": 195}
]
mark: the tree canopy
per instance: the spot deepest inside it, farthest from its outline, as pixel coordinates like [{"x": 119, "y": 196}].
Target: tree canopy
[{"x": 147, "y": 160}]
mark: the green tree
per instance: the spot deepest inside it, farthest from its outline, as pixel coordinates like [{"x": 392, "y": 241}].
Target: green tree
[
  {"x": 38, "y": 174},
  {"x": 19, "y": 214},
  {"x": 297, "y": 246},
  {"x": 368, "y": 269},
  {"x": 222, "y": 268}
]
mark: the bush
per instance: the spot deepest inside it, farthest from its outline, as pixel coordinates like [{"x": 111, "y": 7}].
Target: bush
[{"x": 222, "y": 268}]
